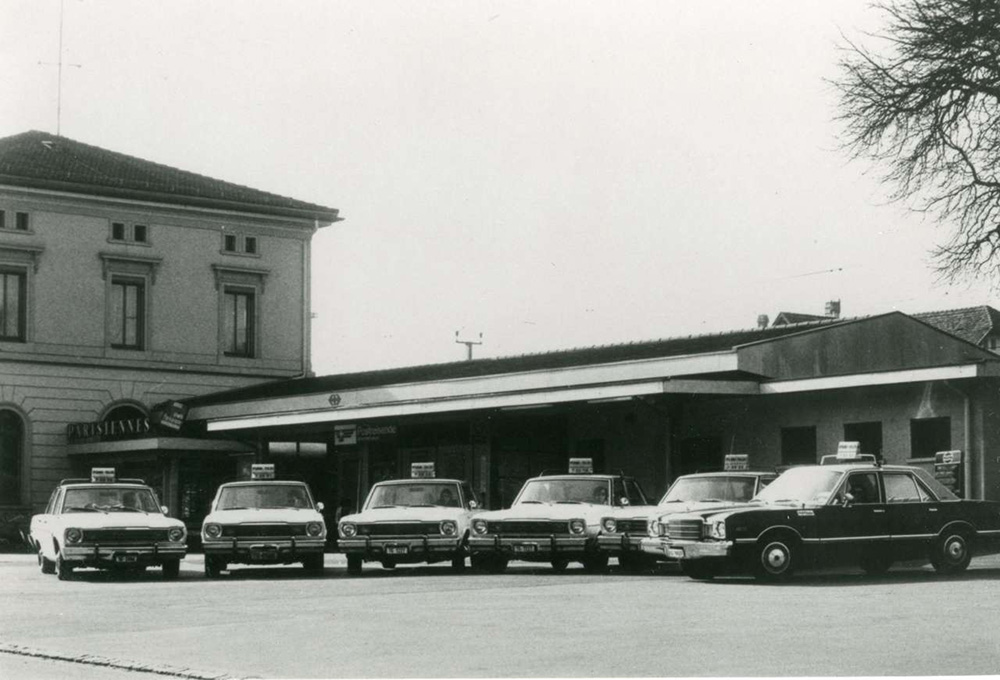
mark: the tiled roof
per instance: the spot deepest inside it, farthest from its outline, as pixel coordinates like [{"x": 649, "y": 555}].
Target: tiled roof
[
  {"x": 969, "y": 323},
  {"x": 44, "y": 161}
]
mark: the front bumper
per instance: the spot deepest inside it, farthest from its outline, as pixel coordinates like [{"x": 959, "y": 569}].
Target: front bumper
[
  {"x": 696, "y": 550},
  {"x": 531, "y": 547},
  {"x": 617, "y": 544},
  {"x": 259, "y": 550},
  {"x": 111, "y": 555},
  {"x": 400, "y": 547},
  {"x": 654, "y": 546}
]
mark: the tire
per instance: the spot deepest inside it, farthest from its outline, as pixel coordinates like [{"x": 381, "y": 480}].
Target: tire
[
  {"x": 45, "y": 565},
  {"x": 876, "y": 564},
  {"x": 214, "y": 566},
  {"x": 458, "y": 564},
  {"x": 775, "y": 559},
  {"x": 951, "y": 553},
  {"x": 354, "y": 563},
  {"x": 171, "y": 569},
  {"x": 559, "y": 565},
  {"x": 595, "y": 564},
  {"x": 697, "y": 570},
  {"x": 313, "y": 564},
  {"x": 64, "y": 570}
]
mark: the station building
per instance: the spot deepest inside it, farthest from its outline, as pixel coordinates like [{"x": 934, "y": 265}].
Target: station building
[{"x": 127, "y": 286}]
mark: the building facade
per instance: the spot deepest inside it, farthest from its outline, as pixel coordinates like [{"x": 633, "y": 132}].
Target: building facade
[{"x": 126, "y": 286}]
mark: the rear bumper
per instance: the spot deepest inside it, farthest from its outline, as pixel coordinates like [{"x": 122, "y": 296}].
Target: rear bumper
[
  {"x": 264, "y": 550},
  {"x": 401, "y": 547},
  {"x": 532, "y": 547},
  {"x": 110, "y": 555},
  {"x": 616, "y": 544}
]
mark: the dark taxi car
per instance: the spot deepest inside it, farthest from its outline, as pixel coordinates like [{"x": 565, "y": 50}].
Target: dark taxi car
[{"x": 851, "y": 514}]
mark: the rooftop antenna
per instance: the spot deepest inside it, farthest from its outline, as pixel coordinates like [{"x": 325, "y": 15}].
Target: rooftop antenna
[
  {"x": 468, "y": 345},
  {"x": 59, "y": 64}
]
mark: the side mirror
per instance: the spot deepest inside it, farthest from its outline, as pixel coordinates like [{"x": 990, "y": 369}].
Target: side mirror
[
  {"x": 165, "y": 510},
  {"x": 848, "y": 499},
  {"x": 320, "y": 506},
  {"x": 473, "y": 505},
  {"x": 623, "y": 500}
]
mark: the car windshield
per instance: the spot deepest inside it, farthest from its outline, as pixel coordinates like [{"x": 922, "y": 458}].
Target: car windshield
[
  {"x": 415, "y": 494},
  {"x": 811, "y": 484},
  {"x": 110, "y": 499},
  {"x": 264, "y": 496},
  {"x": 705, "y": 489},
  {"x": 592, "y": 491}
]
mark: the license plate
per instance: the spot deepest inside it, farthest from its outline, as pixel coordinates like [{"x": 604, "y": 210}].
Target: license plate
[
  {"x": 675, "y": 553},
  {"x": 397, "y": 549},
  {"x": 263, "y": 553},
  {"x": 126, "y": 558},
  {"x": 525, "y": 547}
]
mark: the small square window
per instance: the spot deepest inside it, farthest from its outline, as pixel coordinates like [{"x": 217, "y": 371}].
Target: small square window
[
  {"x": 250, "y": 245},
  {"x": 21, "y": 221},
  {"x": 229, "y": 243},
  {"x": 118, "y": 231},
  {"x": 139, "y": 233},
  {"x": 3, "y": 219}
]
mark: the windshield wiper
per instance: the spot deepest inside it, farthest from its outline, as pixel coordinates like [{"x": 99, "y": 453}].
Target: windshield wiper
[
  {"x": 574, "y": 503},
  {"x": 237, "y": 507},
  {"x": 79, "y": 509},
  {"x": 535, "y": 502},
  {"x": 379, "y": 507},
  {"x": 422, "y": 505},
  {"x": 712, "y": 500}
]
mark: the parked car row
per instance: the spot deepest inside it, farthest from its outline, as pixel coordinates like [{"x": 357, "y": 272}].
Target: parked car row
[{"x": 854, "y": 512}]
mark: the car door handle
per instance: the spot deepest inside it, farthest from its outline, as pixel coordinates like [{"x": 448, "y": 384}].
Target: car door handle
[
  {"x": 932, "y": 509},
  {"x": 879, "y": 511}
]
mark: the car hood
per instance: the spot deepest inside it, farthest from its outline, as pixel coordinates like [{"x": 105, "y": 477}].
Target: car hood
[
  {"x": 435, "y": 514},
  {"x": 544, "y": 511},
  {"x": 697, "y": 507},
  {"x": 629, "y": 511},
  {"x": 264, "y": 516},
  {"x": 718, "y": 513},
  {"x": 104, "y": 520}
]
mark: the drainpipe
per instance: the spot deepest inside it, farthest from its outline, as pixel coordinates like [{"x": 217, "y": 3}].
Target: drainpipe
[
  {"x": 967, "y": 424},
  {"x": 306, "y": 303}
]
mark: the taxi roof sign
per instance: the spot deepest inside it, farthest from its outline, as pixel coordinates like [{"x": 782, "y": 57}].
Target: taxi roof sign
[
  {"x": 102, "y": 474},
  {"x": 422, "y": 470},
  {"x": 848, "y": 450},
  {"x": 581, "y": 466},
  {"x": 737, "y": 462},
  {"x": 262, "y": 471}
]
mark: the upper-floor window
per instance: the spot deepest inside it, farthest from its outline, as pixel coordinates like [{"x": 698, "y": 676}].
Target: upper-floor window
[
  {"x": 239, "y": 322},
  {"x": 12, "y": 305},
  {"x": 929, "y": 435},
  {"x": 21, "y": 220},
  {"x": 239, "y": 244},
  {"x": 11, "y": 455},
  {"x": 128, "y": 311},
  {"x": 129, "y": 232}
]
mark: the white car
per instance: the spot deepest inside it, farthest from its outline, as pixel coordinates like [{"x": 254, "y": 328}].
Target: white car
[
  {"x": 263, "y": 522},
  {"x": 107, "y": 525},
  {"x": 410, "y": 520},
  {"x": 554, "y": 519}
]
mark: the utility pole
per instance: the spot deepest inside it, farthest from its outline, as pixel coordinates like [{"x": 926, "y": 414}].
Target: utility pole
[
  {"x": 59, "y": 64},
  {"x": 468, "y": 344}
]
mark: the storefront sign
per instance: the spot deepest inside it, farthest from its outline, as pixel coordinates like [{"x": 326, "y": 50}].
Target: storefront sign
[
  {"x": 948, "y": 470},
  {"x": 345, "y": 435},
  {"x": 349, "y": 435},
  {"x": 108, "y": 430}
]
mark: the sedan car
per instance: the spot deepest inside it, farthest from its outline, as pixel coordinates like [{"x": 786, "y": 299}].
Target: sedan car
[
  {"x": 108, "y": 525},
  {"x": 851, "y": 514}
]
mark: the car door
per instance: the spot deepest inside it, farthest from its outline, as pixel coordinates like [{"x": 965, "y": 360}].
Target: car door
[
  {"x": 41, "y": 526},
  {"x": 850, "y": 526},
  {"x": 914, "y": 516}
]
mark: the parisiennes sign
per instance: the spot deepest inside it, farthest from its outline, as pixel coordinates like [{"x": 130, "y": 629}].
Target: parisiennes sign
[{"x": 108, "y": 429}]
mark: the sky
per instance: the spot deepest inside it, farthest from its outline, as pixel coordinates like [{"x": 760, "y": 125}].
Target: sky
[{"x": 551, "y": 174}]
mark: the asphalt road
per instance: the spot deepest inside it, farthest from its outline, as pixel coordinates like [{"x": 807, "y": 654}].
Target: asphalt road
[{"x": 429, "y": 622}]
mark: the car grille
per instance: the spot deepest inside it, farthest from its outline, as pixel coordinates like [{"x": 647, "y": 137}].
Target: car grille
[
  {"x": 263, "y": 530},
  {"x": 399, "y": 529},
  {"x": 685, "y": 529},
  {"x": 631, "y": 526},
  {"x": 124, "y": 536},
  {"x": 528, "y": 528}
]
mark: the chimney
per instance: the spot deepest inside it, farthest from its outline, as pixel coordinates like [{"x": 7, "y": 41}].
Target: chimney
[
  {"x": 833, "y": 309},
  {"x": 762, "y": 321}
]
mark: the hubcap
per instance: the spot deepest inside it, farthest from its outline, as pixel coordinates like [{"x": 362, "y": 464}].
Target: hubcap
[
  {"x": 955, "y": 549},
  {"x": 776, "y": 557}
]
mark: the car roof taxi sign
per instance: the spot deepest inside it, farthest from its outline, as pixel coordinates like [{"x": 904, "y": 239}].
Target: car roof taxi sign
[
  {"x": 848, "y": 450},
  {"x": 421, "y": 470},
  {"x": 262, "y": 471},
  {"x": 581, "y": 466},
  {"x": 736, "y": 462},
  {"x": 103, "y": 474}
]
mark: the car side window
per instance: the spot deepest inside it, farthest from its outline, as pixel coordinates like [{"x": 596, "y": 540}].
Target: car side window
[
  {"x": 863, "y": 486},
  {"x": 902, "y": 488},
  {"x": 50, "y": 508},
  {"x": 634, "y": 493},
  {"x": 469, "y": 494}
]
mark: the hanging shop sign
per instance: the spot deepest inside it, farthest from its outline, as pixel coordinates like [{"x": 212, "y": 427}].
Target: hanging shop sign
[
  {"x": 345, "y": 435},
  {"x": 170, "y": 415},
  {"x": 948, "y": 470}
]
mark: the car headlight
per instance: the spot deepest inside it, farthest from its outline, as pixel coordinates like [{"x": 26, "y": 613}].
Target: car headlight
[
  {"x": 74, "y": 535},
  {"x": 479, "y": 526},
  {"x": 449, "y": 528},
  {"x": 577, "y": 526},
  {"x": 716, "y": 529},
  {"x": 314, "y": 529},
  {"x": 349, "y": 530},
  {"x": 653, "y": 528},
  {"x": 213, "y": 530},
  {"x": 176, "y": 534},
  {"x": 609, "y": 525}
]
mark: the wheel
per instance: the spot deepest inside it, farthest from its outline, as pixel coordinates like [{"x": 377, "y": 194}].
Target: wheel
[
  {"x": 697, "y": 570},
  {"x": 64, "y": 570},
  {"x": 45, "y": 565},
  {"x": 214, "y": 566},
  {"x": 595, "y": 564},
  {"x": 559, "y": 565},
  {"x": 171, "y": 569},
  {"x": 775, "y": 559},
  {"x": 876, "y": 564},
  {"x": 313, "y": 564},
  {"x": 951, "y": 553},
  {"x": 458, "y": 563},
  {"x": 354, "y": 565}
]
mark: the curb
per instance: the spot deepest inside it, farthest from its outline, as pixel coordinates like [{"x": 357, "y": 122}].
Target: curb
[{"x": 121, "y": 664}]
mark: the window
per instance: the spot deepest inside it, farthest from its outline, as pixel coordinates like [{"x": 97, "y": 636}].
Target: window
[
  {"x": 12, "y": 305},
  {"x": 139, "y": 233},
  {"x": 229, "y": 243},
  {"x": 239, "y": 322},
  {"x": 798, "y": 445},
  {"x": 250, "y": 245},
  {"x": 235, "y": 243},
  {"x": 902, "y": 488},
  {"x": 21, "y": 221},
  {"x": 11, "y": 454},
  {"x": 3, "y": 219},
  {"x": 129, "y": 233},
  {"x": 128, "y": 306},
  {"x": 863, "y": 486},
  {"x": 117, "y": 231},
  {"x": 869, "y": 435},
  {"x": 929, "y": 435}
]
